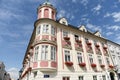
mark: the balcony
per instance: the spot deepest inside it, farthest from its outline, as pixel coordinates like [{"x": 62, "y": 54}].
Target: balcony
[
  {"x": 102, "y": 65},
  {"x": 67, "y": 38},
  {"x": 93, "y": 65},
  {"x": 45, "y": 65},
  {"x": 69, "y": 63},
  {"x": 82, "y": 64},
  {"x": 104, "y": 46},
  {"x": 78, "y": 41},
  {"x": 111, "y": 66},
  {"x": 97, "y": 45},
  {"x": 88, "y": 42}
]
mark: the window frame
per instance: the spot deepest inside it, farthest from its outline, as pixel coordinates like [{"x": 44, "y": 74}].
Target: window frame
[
  {"x": 44, "y": 52},
  {"x": 79, "y": 57},
  {"x": 67, "y": 56},
  {"x": 36, "y": 53},
  {"x": 53, "y": 53},
  {"x": 91, "y": 58}
]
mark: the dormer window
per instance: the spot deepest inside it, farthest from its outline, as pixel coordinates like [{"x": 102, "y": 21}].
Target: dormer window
[{"x": 63, "y": 21}]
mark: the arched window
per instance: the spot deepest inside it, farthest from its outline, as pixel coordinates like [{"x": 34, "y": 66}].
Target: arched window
[
  {"x": 52, "y": 15},
  {"x": 46, "y": 13},
  {"x": 39, "y": 14}
]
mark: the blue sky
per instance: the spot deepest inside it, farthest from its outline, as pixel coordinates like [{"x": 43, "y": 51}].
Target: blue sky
[{"x": 17, "y": 18}]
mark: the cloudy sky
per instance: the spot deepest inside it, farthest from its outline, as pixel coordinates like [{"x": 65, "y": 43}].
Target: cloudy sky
[{"x": 17, "y": 18}]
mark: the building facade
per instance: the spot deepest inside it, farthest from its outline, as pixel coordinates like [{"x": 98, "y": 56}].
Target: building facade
[
  {"x": 114, "y": 49},
  {"x": 3, "y": 74},
  {"x": 58, "y": 50}
]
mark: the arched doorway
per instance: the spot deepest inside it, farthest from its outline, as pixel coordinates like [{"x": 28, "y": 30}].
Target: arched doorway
[{"x": 112, "y": 75}]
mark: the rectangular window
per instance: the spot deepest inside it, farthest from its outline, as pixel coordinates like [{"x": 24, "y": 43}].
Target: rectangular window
[
  {"x": 81, "y": 78},
  {"x": 90, "y": 58},
  {"x": 67, "y": 56},
  {"x": 86, "y": 40},
  {"x": 53, "y": 53},
  {"x": 119, "y": 57},
  {"x": 46, "y": 76},
  {"x": 99, "y": 60},
  {"x": 79, "y": 55},
  {"x": 107, "y": 60},
  {"x": 103, "y": 76},
  {"x": 38, "y": 30},
  {"x": 66, "y": 78},
  {"x": 65, "y": 34},
  {"x": 36, "y": 53},
  {"x": 45, "y": 28},
  {"x": 53, "y": 30},
  {"x": 44, "y": 52},
  {"x": 76, "y": 37},
  {"x": 35, "y": 74},
  {"x": 94, "y": 77}
]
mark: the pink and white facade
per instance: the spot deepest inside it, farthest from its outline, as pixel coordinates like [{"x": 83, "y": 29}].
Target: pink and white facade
[{"x": 59, "y": 51}]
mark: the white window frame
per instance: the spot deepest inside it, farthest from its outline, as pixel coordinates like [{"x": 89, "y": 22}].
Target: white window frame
[
  {"x": 36, "y": 53},
  {"x": 53, "y": 53},
  {"x": 44, "y": 52},
  {"x": 94, "y": 77},
  {"x": 107, "y": 60},
  {"x": 67, "y": 56},
  {"x": 65, "y": 33},
  {"x": 81, "y": 78},
  {"x": 53, "y": 32},
  {"x": 79, "y": 57},
  {"x": 100, "y": 60},
  {"x": 103, "y": 77},
  {"x": 38, "y": 30},
  {"x": 45, "y": 28},
  {"x": 91, "y": 58}
]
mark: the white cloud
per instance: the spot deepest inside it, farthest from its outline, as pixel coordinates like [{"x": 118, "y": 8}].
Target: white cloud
[
  {"x": 61, "y": 13},
  {"x": 74, "y": 1},
  {"x": 93, "y": 27},
  {"x": 115, "y": 28},
  {"x": 14, "y": 73},
  {"x": 109, "y": 33},
  {"x": 97, "y": 8},
  {"x": 115, "y": 15},
  {"x": 107, "y": 14},
  {"x": 84, "y": 2}
]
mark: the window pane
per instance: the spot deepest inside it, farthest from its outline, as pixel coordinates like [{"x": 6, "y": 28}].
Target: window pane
[
  {"x": 46, "y": 76},
  {"x": 53, "y": 53},
  {"x": 44, "y": 51},
  {"x": 65, "y": 34},
  {"x": 67, "y": 55},
  {"x": 94, "y": 77},
  {"x": 81, "y": 78}
]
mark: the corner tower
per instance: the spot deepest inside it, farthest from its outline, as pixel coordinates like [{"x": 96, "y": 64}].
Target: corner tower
[{"x": 46, "y": 10}]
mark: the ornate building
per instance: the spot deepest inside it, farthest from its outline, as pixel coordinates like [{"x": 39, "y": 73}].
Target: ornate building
[
  {"x": 114, "y": 49},
  {"x": 58, "y": 50},
  {"x": 3, "y": 74}
]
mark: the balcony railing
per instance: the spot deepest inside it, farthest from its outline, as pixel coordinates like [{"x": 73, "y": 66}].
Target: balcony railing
[
  {"x": 93, "y": 65},
  {"x": 82, "y": 64},
  {"x": 111, "y": 66},
  {"x": 102, "y": 65},
  {"x": 67, "y": 38},
  {"x": 69, "y": 63}
]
